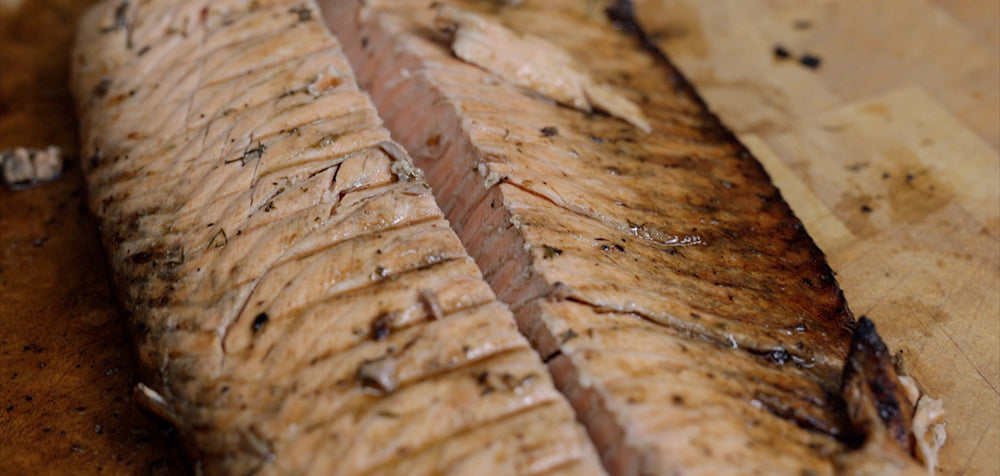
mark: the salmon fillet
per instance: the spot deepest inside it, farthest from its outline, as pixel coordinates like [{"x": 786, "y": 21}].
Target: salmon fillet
[
  {"x": 299, "y": 302},
  {"x": 679, "y": 303}
]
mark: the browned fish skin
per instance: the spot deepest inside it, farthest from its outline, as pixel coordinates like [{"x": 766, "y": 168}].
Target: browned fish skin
[
  {"x": 880, "y": 412},
  {"x": 869, "y": 364},
  {"x": 680, "y": 304},
  {"x": 300, "y": 303}
]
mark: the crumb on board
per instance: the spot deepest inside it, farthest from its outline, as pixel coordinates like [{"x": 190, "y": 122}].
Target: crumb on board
[{"x": 24, "y": 167}]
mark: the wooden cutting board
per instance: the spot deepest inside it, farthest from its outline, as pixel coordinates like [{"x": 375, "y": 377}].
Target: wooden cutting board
[
  {"x": 66, "y": 372},
  {"x": 888, "y": 151}
]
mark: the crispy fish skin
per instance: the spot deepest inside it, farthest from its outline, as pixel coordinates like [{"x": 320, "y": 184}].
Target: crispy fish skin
[
  {"x": 680, "y": 304},
  {"x": 299, "y": 302}
]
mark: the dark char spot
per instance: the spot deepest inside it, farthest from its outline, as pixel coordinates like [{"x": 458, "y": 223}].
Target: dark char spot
[
  {"x": 380, "y": 326},
  {"x": 259, "y": 321}
]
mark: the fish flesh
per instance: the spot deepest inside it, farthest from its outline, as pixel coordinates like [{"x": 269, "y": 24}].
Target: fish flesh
[
  {"x": 679, "y": 303},
  {"x": 299, "y": 303}
]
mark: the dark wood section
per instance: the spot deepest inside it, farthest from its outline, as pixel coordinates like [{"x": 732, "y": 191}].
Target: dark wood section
[{"x": 67, "y": 371}]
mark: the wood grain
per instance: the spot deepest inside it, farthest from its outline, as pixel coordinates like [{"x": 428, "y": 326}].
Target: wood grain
[{"x": 889, "y": 153}]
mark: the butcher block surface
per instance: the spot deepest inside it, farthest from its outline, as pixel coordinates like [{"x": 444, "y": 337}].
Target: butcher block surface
[{"x": 887, "y": 150}]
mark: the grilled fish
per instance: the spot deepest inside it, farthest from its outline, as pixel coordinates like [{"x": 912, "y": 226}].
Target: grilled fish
[
  {"x": 300, "y": 304},
  {"x": 680, "y": 304}
]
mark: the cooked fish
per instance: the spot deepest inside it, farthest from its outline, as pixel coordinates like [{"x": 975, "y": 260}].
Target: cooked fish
[
  {"x": 680, "y": 304},
  {"x": 300, "y": 304}
]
